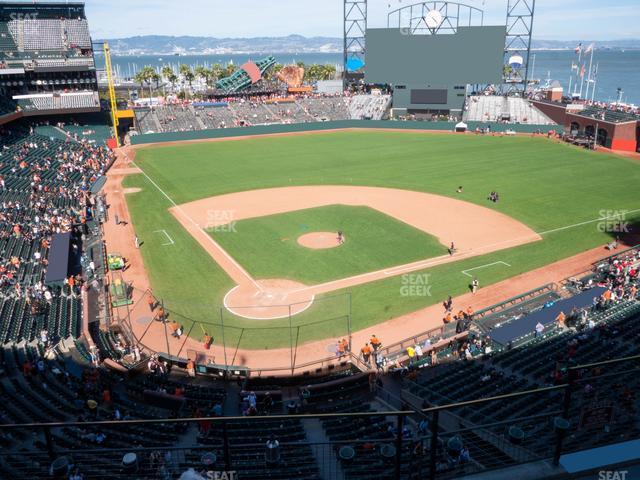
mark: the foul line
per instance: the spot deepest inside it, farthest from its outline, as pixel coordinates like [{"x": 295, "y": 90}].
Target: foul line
[
  {"x": 600, "y": 219},
  {"x": 387, "y": 272},
  {"x": 171, "y": 242},
  {"x": 182, "y": 212},
  {"x": 464, "y": 272}
]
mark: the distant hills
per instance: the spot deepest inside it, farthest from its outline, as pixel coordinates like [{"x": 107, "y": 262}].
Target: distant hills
[
  {"x": 167, "y": 45},
  {"x": 187, "y": 45}
]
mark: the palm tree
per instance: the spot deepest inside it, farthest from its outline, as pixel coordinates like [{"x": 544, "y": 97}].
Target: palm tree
[
  {"x": 146, "y": 75},
  {"x": 168, "y": 73},
  {"x": 184, "y": 69},
  {"x": 202, "y": 73},
  {"x": 149, "y": 74},
  {"x": 229, "y": 70},
  {"x": 157, "y": 78},
  {"x": 139, "y": 78},
  {"x": 173, "y": 79},
  {"x": 328, "y": 71},
  {"x": 314, "y": 72},
  {"x": 187, "y": 74},
  {"x": 216, "y": 72}
]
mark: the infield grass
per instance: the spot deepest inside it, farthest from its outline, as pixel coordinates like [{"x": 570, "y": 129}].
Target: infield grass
[
  {"x": 267, "y": 247},
  {"x": 547, "y": 186}
]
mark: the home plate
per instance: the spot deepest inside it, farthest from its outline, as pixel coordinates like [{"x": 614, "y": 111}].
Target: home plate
[{"x": 268, "y": 299}]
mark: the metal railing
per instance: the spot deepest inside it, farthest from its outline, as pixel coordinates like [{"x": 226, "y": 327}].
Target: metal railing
[{"x": 382, "y": 444}]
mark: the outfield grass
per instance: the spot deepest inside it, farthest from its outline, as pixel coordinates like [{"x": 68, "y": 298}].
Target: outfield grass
[
  {"x": 541, "y": 183},
  {"x": 267, "y": 247}
]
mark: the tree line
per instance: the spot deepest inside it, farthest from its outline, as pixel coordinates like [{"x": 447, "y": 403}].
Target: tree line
[{"x": 186, "y": 75}]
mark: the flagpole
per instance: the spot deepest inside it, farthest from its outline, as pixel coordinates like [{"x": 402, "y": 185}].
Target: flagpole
[
  {"x": 570, "y": 79},
  {"x": 575, "y": 87},
  {"x": 595, "y": 82},
  {"x": 581, "y": 79},
  {"x": 586, "y": 95}
]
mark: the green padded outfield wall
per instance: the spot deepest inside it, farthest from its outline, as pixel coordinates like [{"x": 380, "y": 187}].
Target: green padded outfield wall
[{"x": 321, "y": 126}]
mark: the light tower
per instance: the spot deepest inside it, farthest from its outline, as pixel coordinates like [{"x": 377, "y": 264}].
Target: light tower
[
  {"x": 355, "y": 27},
  {"x": 518, "y": 45}
]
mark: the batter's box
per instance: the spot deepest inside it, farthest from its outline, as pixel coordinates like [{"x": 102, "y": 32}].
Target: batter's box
[{"x": 168, "y": 239}]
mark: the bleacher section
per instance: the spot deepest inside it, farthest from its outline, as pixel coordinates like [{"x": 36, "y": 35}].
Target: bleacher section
[
  {"x": 325, "y": 108},
  {"x": 181, "y": 118},
  {"x": 49, "y": 34},
  {"x": 471, "y": 438},
  {"x": 27, "y": 307},
  {"x": 46, "y": 53},
  {"x": 608, "y": 115},
  {"x": 493, "y": 108},
  {"x": 78, "y": 101},
  {"x": 369, "y": 107}
]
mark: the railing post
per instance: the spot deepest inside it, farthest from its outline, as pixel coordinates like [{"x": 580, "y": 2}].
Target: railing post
[
  {"x": 164, "y": 324},
  {"x": 399, "y": 427},
  {"x": 566, "y": 404},
  {"x": 291, "y": 340},
  {"x": 49, "y": 442},
  {"x": 225, "y": 447},
  {"x": 349, "y": 319},
  {"x": 224, "y": 342},
  {"x": 433, "y": 448}
]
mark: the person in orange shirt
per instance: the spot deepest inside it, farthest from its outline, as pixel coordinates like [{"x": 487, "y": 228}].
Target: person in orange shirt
[
  {"x": 159, "y": 316},
  {"x": 345, "y": 345},
  {"x": 561, "y": 319},
  {"x": 174, "y": 328},
  {"x": 375, "y": 343},
  {"x": 191, "y": 368},
  {"x": 366, "y": 352},
  {"x": 340, "y": 350},
  {"x": 447, "y": 318},
  {"x": 151, "y": 301},
  {"x": 207, "y": 340},
  {"x": 607, "y": 296}
]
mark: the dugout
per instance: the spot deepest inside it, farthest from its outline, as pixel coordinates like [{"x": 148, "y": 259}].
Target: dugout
[{"x": 59, "y": 258}]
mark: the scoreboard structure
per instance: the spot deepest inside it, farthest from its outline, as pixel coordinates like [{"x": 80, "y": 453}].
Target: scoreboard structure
[{"x": 431, "y": 72}]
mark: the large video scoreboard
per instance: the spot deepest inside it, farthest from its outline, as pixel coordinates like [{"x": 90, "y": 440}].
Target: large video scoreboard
[{"x": 431, "y": 72}]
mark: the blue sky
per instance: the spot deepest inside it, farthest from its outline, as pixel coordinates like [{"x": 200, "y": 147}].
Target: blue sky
[{"x": 555, "y": 19}]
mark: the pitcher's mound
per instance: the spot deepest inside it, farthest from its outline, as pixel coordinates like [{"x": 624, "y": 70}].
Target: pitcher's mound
[
  {"x": 319, "y": 240},
  {"x": 268, "y": 299}
]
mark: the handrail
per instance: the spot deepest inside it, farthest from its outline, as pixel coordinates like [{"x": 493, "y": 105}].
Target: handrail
[
  {"x": 493, "y": 308},
  {"x": 214, "y": 420},
  {"x": 432, "y": 409},
  {"x": 614, "y": 255}
]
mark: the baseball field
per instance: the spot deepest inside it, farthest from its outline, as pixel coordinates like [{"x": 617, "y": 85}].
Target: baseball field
[{"x": 221, "y": 223}]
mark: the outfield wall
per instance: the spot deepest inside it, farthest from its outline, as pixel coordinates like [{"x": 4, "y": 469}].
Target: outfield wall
[{"x": 320, "y": 126}]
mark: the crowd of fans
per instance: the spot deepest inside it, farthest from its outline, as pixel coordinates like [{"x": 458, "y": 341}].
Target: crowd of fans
[
  {"x": 44, "y": 190},
  {"x": 175, "y": 115}
]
